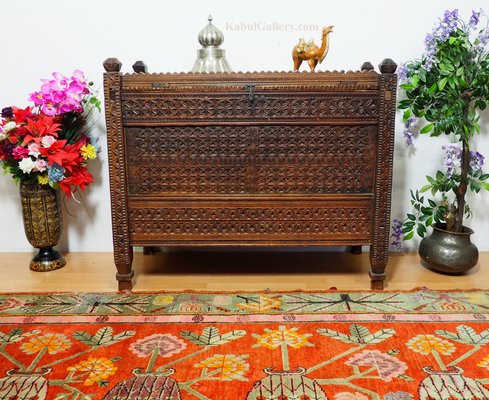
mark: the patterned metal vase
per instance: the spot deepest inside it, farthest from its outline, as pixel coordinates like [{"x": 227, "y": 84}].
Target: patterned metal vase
[
  {"x": 24, "y": 385},
  {"x": 146, "y": 386},
  {"x": 285, "y": 385},
  {"x": 43, "y": 224},
  {"x": 450, "y": 252},
  {"x": 450, "y": 384}
]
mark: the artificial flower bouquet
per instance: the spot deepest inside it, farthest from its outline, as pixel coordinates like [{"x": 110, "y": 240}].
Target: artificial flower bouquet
[{"x": 49, "y": 142}]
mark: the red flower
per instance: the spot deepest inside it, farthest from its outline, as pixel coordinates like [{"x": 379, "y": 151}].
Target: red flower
[
  {"x": 79, "y": 177},
  {"x": 56, "y": 154},
  {"x": 42, "y": 126},
  {"x": 21, "y": 115}
]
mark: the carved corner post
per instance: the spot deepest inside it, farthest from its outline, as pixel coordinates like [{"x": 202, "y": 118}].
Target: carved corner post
[
  {"x": 123, "y": 253},
  {"x": 379, "y": 251}
]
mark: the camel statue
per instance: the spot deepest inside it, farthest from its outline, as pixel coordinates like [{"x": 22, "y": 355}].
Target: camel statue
[{"x": 310, "y": 51}]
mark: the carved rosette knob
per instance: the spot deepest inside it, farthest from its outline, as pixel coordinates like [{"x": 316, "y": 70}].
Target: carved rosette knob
[
  {"x": 367, "y": 66},
  {"x": 139, "y": 67},
  {"x": 387, "y": 66},
  {"x": 112, "y": 65}
]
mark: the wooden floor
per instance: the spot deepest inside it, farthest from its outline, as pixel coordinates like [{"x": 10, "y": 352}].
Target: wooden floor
[{"x": 232, "y": 271}]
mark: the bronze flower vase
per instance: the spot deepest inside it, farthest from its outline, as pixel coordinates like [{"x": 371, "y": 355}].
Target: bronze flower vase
[
  {"x": 449, "y": 252},
  {"x": 41, "y": 212}
]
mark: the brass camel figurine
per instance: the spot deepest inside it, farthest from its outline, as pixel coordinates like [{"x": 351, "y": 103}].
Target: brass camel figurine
[{"x": 310, "y": 51}]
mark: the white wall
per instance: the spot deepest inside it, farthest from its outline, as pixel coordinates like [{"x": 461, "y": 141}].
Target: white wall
[{"x": 39, "y": 37}]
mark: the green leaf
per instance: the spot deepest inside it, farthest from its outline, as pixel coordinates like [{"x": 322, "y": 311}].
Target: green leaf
[
  {"x": 432, "y": 203},
  {"x": 409, "y": 236},
  {"x": 210, "y": 336},
  {"x": 15, "y": 335},
  {"x": 359, "y": 331},
  {"x": 425, "y": 188},
  {"x": 442, "y": 83},
  {"x": 422, "y": 75},
  {"x": 407, "y": 86},
  {"x": 420, "y": 230},
  {"x": 103, "y": 337},
  {"x": 379, "y": 336},
  {"x": 415, "y": 80},
  {"x": 466, "y": 335},
  {"x": 412, "y": 217},
  {"x": 433, "y": 88},
  {"x": 485, "y": 185},
  {"x": 406, "y": 115},
  {"x": 427, "y": 128},
  {"x": 429, "y": 221},
  {"x": 83, "y": 337},
  {"x": 338, "y": 336}
]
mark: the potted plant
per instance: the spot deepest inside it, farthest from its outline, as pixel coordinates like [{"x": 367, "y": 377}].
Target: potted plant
[
  {"x": 46, "y": 148},
  {"x": 443, "y": 92}
]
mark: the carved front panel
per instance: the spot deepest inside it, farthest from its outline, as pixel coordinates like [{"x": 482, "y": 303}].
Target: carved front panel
[
  {"x": 254, "y": 221},
  {"x": 188, "y": 159},
  {"x": 162, "y": 107},
  {"x": 315, "y": 159},
  {"x": 250, "y": 159}
]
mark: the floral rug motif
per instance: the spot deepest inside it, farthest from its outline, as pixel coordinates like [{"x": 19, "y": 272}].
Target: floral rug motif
[{"x": 333, "y": 345}]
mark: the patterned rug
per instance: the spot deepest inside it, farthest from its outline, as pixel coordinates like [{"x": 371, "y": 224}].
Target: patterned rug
[{"x": 253, "y": 346}]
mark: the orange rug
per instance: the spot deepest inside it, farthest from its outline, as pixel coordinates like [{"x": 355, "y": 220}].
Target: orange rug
[{"x": 253, "y": 346}]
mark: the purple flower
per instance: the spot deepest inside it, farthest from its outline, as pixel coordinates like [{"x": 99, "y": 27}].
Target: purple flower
[
  {"x": 397, "y": 234},
  {"x": 7, "y": 112},
  {"x": 482, "y": 40},
  {"x": 440, "y": 33},
  {"x": 408, "y": 127},
  {"x": 474, "y": 19},
  {"x": 476, "y": 161},
  {"x": 8, "y": 149},
  {"x": 453, "y": 154},
  {"x": 402, "y": 72},
  {"x": 450, "y": 15}
]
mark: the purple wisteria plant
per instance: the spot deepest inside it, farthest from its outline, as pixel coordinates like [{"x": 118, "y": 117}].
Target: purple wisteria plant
[{"x": 444, "y": 91}]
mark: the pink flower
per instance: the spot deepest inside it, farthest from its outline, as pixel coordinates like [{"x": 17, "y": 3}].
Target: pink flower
[
  {"x": 40, "y": 165},
  {"x": 47, "y": 141},
  {"x": 166, "y": 345},
  {"x": 20, "y": 152},
  {"x": 36, "y": 98},
  {"x": 49, "y": 109},
  {"x": 78, "y": 76},
  {"x": 387, "y": 366},
  {"x": 33, "y": 149}
]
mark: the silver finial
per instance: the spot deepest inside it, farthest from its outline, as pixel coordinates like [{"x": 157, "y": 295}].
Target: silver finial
[{"x": 211, "y": 58}]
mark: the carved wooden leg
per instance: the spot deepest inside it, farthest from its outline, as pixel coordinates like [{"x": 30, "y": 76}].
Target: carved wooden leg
[
  {"x": 150, "y": 250},
  {"x": 356, "y": 249},
  {"x": 378, "y": 262},
  {"x": 125, "y": 272}
]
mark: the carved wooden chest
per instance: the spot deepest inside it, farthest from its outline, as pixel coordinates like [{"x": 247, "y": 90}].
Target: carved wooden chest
[{"x": 250, "y": 159}]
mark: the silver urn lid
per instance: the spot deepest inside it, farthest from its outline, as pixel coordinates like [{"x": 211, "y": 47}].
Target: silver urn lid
[{"x": 211, "y": 58}]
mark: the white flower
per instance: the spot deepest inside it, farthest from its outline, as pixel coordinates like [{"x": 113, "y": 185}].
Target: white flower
[
  {"x": 48, "y": 140},
  {"x": 33, "y": 149},
  {"x": 9, "y": 126},
  {"x": 26, "y": 165}
]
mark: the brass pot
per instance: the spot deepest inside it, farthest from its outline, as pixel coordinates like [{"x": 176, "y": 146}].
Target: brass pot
[
  {"x": 450, "y": 252},
  {"x": 41, "y": 212}
]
